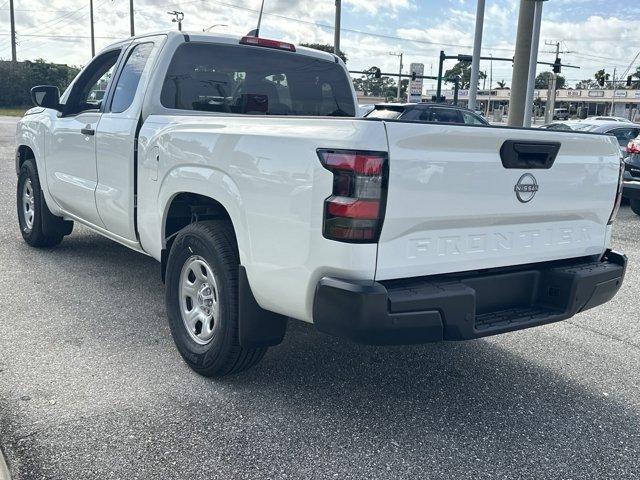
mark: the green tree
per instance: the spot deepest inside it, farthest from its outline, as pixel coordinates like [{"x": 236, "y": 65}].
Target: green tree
[
  {"x": 636, "y": 74},
  {"x": 601, "y": 77},
  {"x": 544, "y": 79},
  {"x": 377, "y": 87},
  {"x": 586, "y": 84},
  {"x": 325, "y": 48},
  {"x": 463, "y": 70},
  {"x": 17, "y": 79},
  {"x": 502, "y": 85}
]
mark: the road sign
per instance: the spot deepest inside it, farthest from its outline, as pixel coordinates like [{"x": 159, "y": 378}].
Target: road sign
[{"x": 415, "y": 85}]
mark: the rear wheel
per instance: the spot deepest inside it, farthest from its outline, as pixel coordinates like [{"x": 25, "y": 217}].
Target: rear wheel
[
  {"x": 39, "y": 227},
  {"x": 202, "y": 300},
  {"x": 635, "y": 206}
]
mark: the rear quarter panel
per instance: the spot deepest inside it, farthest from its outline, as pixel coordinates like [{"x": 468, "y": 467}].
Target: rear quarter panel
[{"x": 266, "y": 173}]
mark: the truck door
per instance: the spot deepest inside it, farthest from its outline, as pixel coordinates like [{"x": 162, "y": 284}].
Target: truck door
[
  {"x": 116, "y": 139},
  {"x": 71, "y": 152}
]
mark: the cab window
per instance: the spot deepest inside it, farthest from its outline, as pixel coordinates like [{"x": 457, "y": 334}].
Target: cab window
[
  {"x": 129, "y": 78},
  {"x": 89, "y": 89},
  {"x": 255, "y": 81}
]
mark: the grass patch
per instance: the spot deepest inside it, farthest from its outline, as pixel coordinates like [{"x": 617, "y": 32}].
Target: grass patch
[{"x": 13, "y": 111}]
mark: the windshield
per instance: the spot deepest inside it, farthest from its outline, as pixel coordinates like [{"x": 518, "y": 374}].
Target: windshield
[{"x": 257, "y": 81}]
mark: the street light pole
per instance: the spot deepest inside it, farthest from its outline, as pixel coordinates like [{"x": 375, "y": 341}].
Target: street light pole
[
  {"x": 400, "y": 73},
  {"x": 533, "y": 62},
  {"x": 336, "y": 34},
  {"x": 93, "y": 40},
  {"x": 475, "y": 62}
]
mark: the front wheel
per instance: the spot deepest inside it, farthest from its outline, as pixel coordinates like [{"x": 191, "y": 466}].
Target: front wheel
[
  {"x": 202, "y": 300},
  {"x": 39, "y": 227},
  {"x": 635, "y": 206}
]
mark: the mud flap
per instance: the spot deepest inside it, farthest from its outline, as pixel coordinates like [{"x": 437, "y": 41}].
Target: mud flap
[{"x": 257, "y": 327}]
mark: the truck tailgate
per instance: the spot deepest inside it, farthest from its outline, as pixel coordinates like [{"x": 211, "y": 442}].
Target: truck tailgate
[{"x": 453, "y": 206}]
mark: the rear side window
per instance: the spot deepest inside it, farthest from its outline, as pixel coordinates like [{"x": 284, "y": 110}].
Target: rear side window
[
  {"x": 130, "y": 77},
  {"x": 255, "y": 81},
  {"x": 440, "y": 115},
  {"x": 625, "y": 135},
  {"x": 472, "y": 119}
]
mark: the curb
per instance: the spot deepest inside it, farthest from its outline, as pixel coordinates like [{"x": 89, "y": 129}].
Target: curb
[{"x": 4, "y": 470}]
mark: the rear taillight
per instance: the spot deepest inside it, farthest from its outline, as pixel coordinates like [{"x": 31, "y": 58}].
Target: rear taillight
[
  {"x": 264, "y": 42},
  {"x": 616, "y": 205},
  {"x": 355, "y": 210},
  {"x": 633, "y": 147}
]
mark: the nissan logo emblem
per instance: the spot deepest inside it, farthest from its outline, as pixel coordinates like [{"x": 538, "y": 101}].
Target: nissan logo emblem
[{"x": 526, "y": 188}]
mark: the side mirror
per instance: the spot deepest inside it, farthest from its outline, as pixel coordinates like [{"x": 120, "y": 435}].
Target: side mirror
[{"x": 46, "y": 96}]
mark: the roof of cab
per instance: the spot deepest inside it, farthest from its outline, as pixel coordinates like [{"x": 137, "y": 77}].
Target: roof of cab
[{"x": 225, "y": 39}]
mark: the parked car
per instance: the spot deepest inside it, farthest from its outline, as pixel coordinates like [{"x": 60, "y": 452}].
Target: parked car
[
  {"x": 623, "y": 131},
  {"x": 427, "y": 112},
  {"x": 631, "y": 186},
  {"x": 363, "y": 110},
  {"x": 569, "y": 125},
  {"x": 561, "y": 114},
  {"x": 608, "y": 119},
  {"x": 240, "y": 166}
]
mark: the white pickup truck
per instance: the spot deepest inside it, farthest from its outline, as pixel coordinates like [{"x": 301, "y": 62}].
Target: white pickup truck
[{"x": 239, "y": 164}]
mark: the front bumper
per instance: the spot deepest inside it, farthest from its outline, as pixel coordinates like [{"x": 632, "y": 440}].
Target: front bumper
[{"x": 465, "y": 306}]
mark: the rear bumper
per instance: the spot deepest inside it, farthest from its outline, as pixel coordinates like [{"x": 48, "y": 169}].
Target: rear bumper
[{"x": 465, "y": 306}]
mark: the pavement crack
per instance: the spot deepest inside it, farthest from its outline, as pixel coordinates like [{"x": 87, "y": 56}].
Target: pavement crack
[{"x": 604, "y": 334}]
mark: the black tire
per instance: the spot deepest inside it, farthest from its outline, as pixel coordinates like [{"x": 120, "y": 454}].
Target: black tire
[
  {"x": 213, "y": 241},
  {"x": 46, "y": 230},
  {"x": 635, "y": 206}
]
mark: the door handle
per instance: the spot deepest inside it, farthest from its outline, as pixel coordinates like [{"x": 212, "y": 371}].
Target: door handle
[{"x": 87, "y": 131}]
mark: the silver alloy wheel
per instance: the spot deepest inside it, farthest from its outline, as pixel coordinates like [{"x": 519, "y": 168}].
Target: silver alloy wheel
[
  {"x": 199, "y": 304},
  {"x": 28, "y": 202}
]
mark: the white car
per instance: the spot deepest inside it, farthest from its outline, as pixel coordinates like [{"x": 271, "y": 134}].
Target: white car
[
  {"x": 608, "y": 119},
  {"x": 239, "y": 164}
]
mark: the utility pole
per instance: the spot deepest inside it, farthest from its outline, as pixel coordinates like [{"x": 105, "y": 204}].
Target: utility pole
[
  {"x": 400, "y": 55},
  {"x": 490, "y": 84},
  {"x": 533, "y": 63},
  {"x": 613, "y": 99},
  {"x": 521, "y": 60},
  {"x": 133, "y": 30},
  {"x": 14, "y": 57},
  {"x": 178, "y": 17},
  {"x": 336, "y": 34},
  {"x": 475, "y": 62},
  {"x": 93, "y": 37}
]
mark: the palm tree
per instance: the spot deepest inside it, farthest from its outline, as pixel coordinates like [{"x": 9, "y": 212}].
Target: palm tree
[
  {"x": 502, "y": 85},
  {"x": 601, "y": 77}
]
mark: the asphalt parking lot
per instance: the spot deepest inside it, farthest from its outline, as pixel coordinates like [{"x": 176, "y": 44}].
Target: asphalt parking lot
[{"x": 91, "y": 386}]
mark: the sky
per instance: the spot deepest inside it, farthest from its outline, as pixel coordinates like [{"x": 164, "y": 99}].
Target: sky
[{"x": 594, "y": 34}]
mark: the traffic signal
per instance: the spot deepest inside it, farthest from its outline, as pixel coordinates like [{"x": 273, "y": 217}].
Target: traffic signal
[
  {"x": 377, "y": 73},
  {"x": 601, "y": 81},
  {"x": 629, "y": 80},
  {"x": 413, "y": 76},
  {"x": 465, "y": 58},
  {"x": 557, "y": 65}
]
